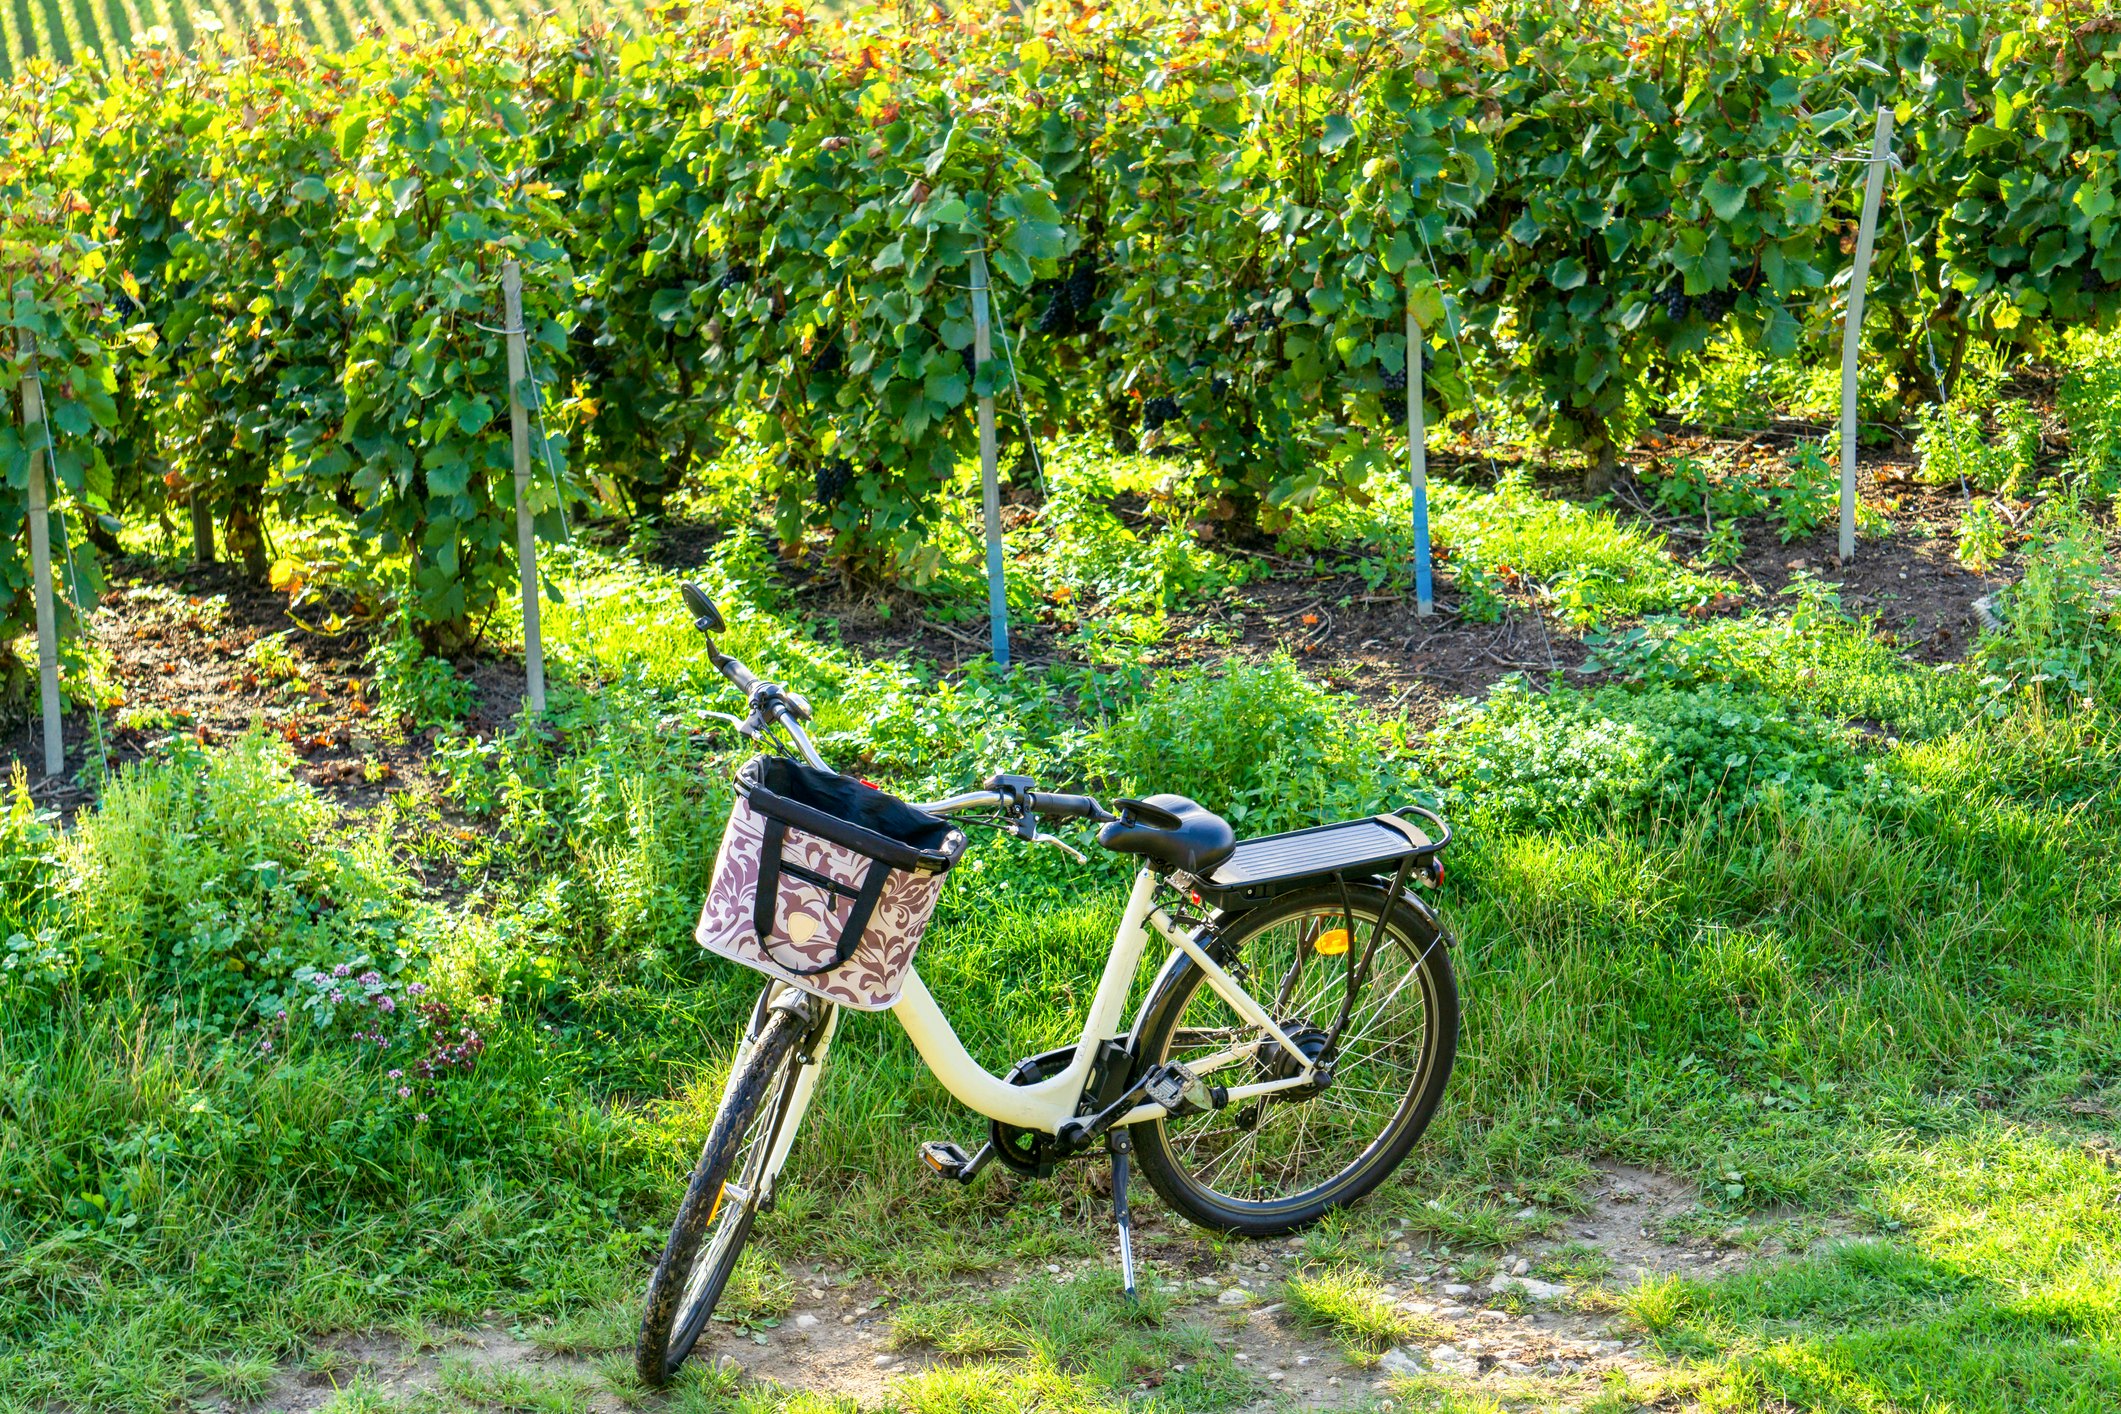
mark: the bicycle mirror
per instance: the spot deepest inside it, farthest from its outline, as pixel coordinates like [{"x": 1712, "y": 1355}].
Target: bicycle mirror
[{"x": 703, "y": 611}]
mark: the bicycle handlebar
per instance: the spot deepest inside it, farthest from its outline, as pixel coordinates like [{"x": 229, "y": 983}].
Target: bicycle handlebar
[
  {"x": 1068, "y": 807},
  {"x": 733, "y": 669},
  {"x": 1053, "y": 807},
  {"x": 771, "y": 706}
]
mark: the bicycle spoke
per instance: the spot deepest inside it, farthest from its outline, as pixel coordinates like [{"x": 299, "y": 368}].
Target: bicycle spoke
[{"x": 1381, "y": 1063}]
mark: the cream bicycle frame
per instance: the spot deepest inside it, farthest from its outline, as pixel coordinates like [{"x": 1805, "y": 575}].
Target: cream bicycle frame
[{"x": 1052, "y": 1102}]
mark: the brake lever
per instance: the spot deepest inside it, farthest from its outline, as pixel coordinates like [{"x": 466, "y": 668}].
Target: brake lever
[{"x": 1060, "y": 844}]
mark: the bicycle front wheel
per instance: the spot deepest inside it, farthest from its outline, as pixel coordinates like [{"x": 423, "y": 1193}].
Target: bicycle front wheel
[
  {"x": 728, "y": 1185},
  {"x": 1281, "y": 1161}
]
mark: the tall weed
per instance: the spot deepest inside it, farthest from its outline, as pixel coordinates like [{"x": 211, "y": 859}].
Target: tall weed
[
  {"x": 207, "y": 880},
  {"x": 1259, "y": 743},
  {"x": 2063, "y": 630}
]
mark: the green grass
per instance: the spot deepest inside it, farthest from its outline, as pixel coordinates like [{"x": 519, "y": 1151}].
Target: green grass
[
  {"x": 1349, "y": 1306},
  {"x": 68, "y": 30},
  {"x": 1874, "y": 983}
]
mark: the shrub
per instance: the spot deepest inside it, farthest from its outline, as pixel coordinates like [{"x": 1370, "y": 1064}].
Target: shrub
[
  {"x": 1953, "y": 446},
  {"x": 1259, "y": 743},
  {"x": 1571, "y": 758},
  {"x": 2090, "y": 403}
]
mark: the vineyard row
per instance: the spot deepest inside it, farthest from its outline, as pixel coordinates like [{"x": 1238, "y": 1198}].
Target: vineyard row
[{"x": 262, "y": 277}]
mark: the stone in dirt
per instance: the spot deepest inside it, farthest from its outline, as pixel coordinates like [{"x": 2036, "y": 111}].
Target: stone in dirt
[
  {"x": 1457, "y": 1288},
  {"x": 1401, "y": 1362},
  {"x": 1233, "y": 1297},
  {"x": 806, "y": 1322},
  {"x": 1532, "y": 1287}
]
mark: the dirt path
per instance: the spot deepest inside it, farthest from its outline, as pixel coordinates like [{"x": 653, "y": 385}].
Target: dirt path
[{"x": 1527, "y": 1329}]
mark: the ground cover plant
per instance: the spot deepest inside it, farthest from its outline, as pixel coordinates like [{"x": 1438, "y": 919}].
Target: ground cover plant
[{"x": 353, "y": 1046}]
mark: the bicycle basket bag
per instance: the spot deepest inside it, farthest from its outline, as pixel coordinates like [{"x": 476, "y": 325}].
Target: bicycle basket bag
[{"x": 825, "y": 882}]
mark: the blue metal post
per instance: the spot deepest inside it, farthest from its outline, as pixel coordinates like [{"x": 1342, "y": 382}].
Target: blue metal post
[{"x": 1418, "y": 466}]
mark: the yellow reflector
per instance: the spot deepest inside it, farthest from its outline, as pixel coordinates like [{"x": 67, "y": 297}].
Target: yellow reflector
[
  {"x": 715, "y": 1211},
  {"x": 1332, "y": 943}
]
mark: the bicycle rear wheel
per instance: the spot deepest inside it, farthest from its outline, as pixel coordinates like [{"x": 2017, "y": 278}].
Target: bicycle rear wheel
[
  {"x": 728, "y": 1185},
  {"x": 1282, "y": 1161}
]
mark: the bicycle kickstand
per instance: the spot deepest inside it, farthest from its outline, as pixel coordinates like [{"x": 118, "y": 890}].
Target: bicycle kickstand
[{"x": 1121, "y": 1145}]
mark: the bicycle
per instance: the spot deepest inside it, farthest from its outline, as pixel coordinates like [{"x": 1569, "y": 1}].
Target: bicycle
[{"x": 1246, "y": 1117}]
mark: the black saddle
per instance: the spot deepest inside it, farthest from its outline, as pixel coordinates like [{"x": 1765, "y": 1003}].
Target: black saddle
[{"x": 1172, "y": 831}]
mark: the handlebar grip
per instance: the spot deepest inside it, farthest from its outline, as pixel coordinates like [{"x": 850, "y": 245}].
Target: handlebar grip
[
  {"x": 736, "y": 672},
  {"x": 1068, "y": 807}
]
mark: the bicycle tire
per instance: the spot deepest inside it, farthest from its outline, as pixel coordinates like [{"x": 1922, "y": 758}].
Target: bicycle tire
[
  {"x": 1171, "y": 1161},
  {"x": 702, "y": 1253}
]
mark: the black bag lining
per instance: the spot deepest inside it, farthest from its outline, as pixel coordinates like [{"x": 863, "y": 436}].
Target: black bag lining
[{"x": 847, "y": 812}]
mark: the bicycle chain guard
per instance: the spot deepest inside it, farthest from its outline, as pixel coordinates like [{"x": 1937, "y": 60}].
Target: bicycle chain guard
[{"x": 1038, "y": 1155}]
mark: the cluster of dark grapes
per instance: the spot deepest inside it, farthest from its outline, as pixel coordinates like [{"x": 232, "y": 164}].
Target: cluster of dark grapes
[
  {"x": 733, "y": 277},
  {"x": 1711, "y": 306},
  {"x": 1259, "y": 313},
  {"x": 1069, "y": 300},
  {"x": 971, "y": 362},
  {"x": 1395, "y": 396},
  {"x": 833, "y": 479},
  {"x": 827, "y": 361},
  {"x": 1157, "y": 412},
  {"x": 1219, "y": 387}
]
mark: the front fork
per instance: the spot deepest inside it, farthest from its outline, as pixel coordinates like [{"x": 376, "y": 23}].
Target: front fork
[{"x": 810, "y": 1068}]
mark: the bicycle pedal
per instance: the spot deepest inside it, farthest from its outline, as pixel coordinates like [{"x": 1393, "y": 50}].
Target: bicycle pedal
[
  {"x": 950, "y": 1161},
  {"x": 1180, "y": 1092}
]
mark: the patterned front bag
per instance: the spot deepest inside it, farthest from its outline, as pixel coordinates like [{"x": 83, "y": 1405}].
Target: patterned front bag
[{"x": 825, "y": 882}]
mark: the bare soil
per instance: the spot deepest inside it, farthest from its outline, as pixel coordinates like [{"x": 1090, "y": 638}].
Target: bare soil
[
  {"x": 1509, "y": 1334},
  {"x": 184, "y": 644},
  {"x": 1376, "y": 647},
  {"x": 188, "y": 656}
]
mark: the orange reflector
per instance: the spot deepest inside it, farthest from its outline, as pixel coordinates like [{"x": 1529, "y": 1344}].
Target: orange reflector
[
  {"x": 717, "y": 1208},
  {"x": 1332, "y": 943}
]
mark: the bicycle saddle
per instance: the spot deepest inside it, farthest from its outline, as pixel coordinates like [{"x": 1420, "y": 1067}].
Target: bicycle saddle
[{"x": 1172, "y": 831}]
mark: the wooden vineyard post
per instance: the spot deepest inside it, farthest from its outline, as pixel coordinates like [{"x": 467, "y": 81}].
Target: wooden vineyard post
[
  {"x": 40, "y": 553},
  {"x": 202, "y": 527},
  {"x": 989, "y": 474},
  {"x": 1852, "y": 334},
  {"x": 1418, "y": 465},
  {"x": 526, "y": 530}
]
